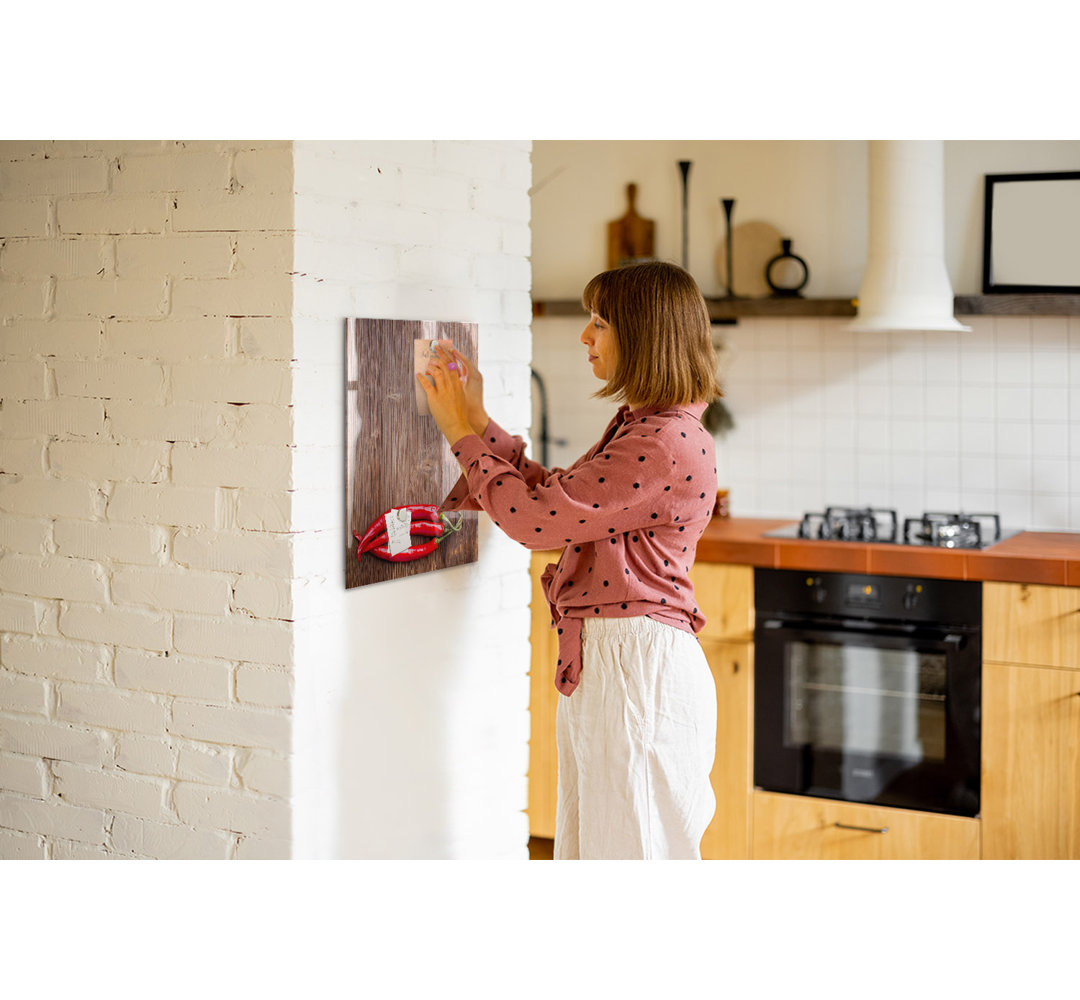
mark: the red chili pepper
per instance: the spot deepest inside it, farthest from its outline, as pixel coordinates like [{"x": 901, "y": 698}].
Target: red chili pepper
[
  {"x": 417, "y": 528},
  {"x": 419, "y": 511},
  {"x": 412, "y": 552}
]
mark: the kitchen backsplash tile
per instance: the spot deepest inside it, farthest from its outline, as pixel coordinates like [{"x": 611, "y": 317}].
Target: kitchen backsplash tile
[{"x": 986, "y": 420}]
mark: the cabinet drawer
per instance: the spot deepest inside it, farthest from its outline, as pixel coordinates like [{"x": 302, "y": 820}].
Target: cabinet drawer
[
  {"x": 795, "y": 827},
  {"x": 1028, "y": 623}
]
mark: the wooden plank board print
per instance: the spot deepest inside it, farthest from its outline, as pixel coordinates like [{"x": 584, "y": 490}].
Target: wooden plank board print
[{"x": 395, "y": 454}]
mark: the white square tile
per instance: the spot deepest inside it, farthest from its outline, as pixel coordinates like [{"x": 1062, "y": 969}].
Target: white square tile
[
  {"x": 977, "y": 365},
  {"x": 907, "y": 470},
  {"x": 872, "y": 400},
  {"x": 942, "y": 365},
  {"x": 774, "y": 366},
  {"x": 1013, "y": 474},
  {"x": 840, "y": 433},
  {"x": 976, "y": 402},
  {"x": 1050, "y": 368},
  {"x": 942, "y": 472},
  {"x": 908, "y": 365},
  {"x": 1050, "y": 475},
  {"x": 1013, "y": 437},
  {"x": 907, "y": 435},
  {"x": 1050, "y": 333},
  {"x": 942, "y": 498},
  {"x": 1013, "y": 368},
  {"x": 806, "y": 366},
  {"x": 773, "y": 335},
  {"x": 976, "y": 501},
  {"x": 774, "y": 500},
  {"x": 908, "y": 399},
  {"x": 1012, "y": 402},
  {"x": 839, "y": 399},
  {"x": 977, "y": 437},
  {"x": 1050, "y": 402},
  {"x": 808, "y": 432},
  {"x": 872, "y": 434},
  {"x": 1012, "y": 333},
  {"x": 1049, "y": 512},
  {"x": 942, "y": 437},
  {"x": 942, "y": 401},
  {"x": 1014, "y": 509},
  {"x": 1050, "y": 439},
  {"x": 874, "y": 468},
  {"x": 977, "y": 472}
]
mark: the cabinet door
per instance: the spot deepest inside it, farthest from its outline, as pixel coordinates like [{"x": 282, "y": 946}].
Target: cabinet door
[
  {"x": 728, "y": 835},
  {"x": 1025, "y": 623},
  {"x": 1030, "y": 762},
  {"x": 725, "y": 595},
  {"x": 796, "y": 827},
  {"x": 543, "y": 759}
]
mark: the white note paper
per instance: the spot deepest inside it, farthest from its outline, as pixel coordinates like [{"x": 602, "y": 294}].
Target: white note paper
[{"x": 398, "y": 525}]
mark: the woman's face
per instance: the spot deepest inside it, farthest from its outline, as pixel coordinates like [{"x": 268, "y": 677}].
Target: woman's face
[{"x": 599, "y": 338}]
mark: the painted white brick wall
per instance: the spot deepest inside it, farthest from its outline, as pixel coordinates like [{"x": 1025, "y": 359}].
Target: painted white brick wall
[
  {"x": 145, "y": 662},
  {"x": 411, "y": 701},
  {"x": 983, "y": 421},
  {"x": 170, "y": 505}
]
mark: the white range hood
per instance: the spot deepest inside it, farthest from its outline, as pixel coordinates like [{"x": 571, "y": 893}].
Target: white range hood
[{"x": 906, "y": 285}]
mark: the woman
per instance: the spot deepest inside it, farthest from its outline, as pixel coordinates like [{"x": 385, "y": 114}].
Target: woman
[{"x": 636, "y": 733}]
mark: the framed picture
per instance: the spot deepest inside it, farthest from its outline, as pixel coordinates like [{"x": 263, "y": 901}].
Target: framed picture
[
  {"x": 1031, "y": 233},
  {"x": 395, "y": 455}
]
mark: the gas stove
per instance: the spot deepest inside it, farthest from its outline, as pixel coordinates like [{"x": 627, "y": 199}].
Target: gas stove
[{"x": 938, "y": 529}]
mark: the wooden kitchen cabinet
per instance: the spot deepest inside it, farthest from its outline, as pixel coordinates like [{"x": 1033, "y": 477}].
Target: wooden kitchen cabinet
[
  {"x": 543, "y": 698},
  {"x": 800, "y": 828},
  {"x": 1031, "y": 722},
  {"x": 1029, "y": 623},
  {"x": 728, "y": 835},
  {"x": 1030, "y": 762}
]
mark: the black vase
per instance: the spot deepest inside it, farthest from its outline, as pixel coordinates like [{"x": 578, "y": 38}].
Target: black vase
[{"x": 787, "y": 273}]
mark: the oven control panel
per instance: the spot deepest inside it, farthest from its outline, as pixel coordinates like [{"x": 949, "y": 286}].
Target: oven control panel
[{"x": 896, "y": 598}]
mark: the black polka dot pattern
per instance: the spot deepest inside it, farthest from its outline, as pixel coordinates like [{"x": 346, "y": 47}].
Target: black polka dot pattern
[{"x": 644, "y": 488}]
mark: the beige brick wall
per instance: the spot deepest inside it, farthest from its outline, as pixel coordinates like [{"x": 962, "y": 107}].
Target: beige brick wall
[{"x": 145, "y": 655}]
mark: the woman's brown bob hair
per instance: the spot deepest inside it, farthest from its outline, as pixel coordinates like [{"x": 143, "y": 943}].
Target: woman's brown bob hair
[{"x": 662, "y": 333}]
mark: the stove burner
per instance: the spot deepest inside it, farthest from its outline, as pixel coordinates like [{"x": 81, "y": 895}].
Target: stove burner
[
  {"x": 857, "y": 524},
  {"x": 945, "y": 530},
  {"x": 952, "y": 531}
]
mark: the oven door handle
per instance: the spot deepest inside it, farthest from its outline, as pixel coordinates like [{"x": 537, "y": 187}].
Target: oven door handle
[{"x": 837, "y": 628}]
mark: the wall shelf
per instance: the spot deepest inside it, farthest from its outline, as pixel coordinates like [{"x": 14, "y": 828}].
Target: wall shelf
[
  {"x": 728, "y": 310},
  {"x": 1017, "y": 305},
  {"x": 731, "y": 310}
]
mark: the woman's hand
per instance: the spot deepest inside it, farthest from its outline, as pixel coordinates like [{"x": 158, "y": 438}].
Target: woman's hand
[
  {"x": 474, "y": 388},
  {"x": 447, "y": 395}
]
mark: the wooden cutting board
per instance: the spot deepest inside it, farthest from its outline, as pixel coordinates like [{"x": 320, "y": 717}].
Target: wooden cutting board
[
  {"x": 753, "y": 245},
  {"x": 631, "y": 237}
]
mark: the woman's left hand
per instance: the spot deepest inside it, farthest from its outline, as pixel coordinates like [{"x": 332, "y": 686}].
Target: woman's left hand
[{"x": 446, "y": 396}]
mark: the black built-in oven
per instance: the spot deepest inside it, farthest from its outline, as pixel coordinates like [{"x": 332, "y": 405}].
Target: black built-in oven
[{"x": 868, "y": 688}]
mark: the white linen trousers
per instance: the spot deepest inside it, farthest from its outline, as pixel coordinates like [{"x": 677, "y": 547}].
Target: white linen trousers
[{"x": 636, "y": 743}]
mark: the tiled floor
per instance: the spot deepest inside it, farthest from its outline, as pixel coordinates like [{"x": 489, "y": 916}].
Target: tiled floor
[{"x": 541, "y": 849}]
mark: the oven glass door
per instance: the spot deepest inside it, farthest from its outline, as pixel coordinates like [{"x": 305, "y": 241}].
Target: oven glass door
[{"x": 869, "y": 715}]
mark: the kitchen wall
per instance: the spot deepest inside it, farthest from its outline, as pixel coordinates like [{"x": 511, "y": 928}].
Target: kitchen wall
[
  {"x": 986, "y": 420},
  {"x": 412, "y": 724},
  {"x": 182, "y": 674},
  {"x": 145, "y": 463}
]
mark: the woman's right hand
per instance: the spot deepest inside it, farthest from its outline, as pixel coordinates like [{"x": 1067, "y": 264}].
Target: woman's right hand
[{"x": 474, "y": 386}]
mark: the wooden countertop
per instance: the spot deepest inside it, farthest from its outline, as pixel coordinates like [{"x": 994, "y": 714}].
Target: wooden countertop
[{"x": 1046, "y": 557}]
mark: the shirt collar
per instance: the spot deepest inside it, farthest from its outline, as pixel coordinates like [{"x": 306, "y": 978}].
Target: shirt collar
[{"x": 694, "y": 409}]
